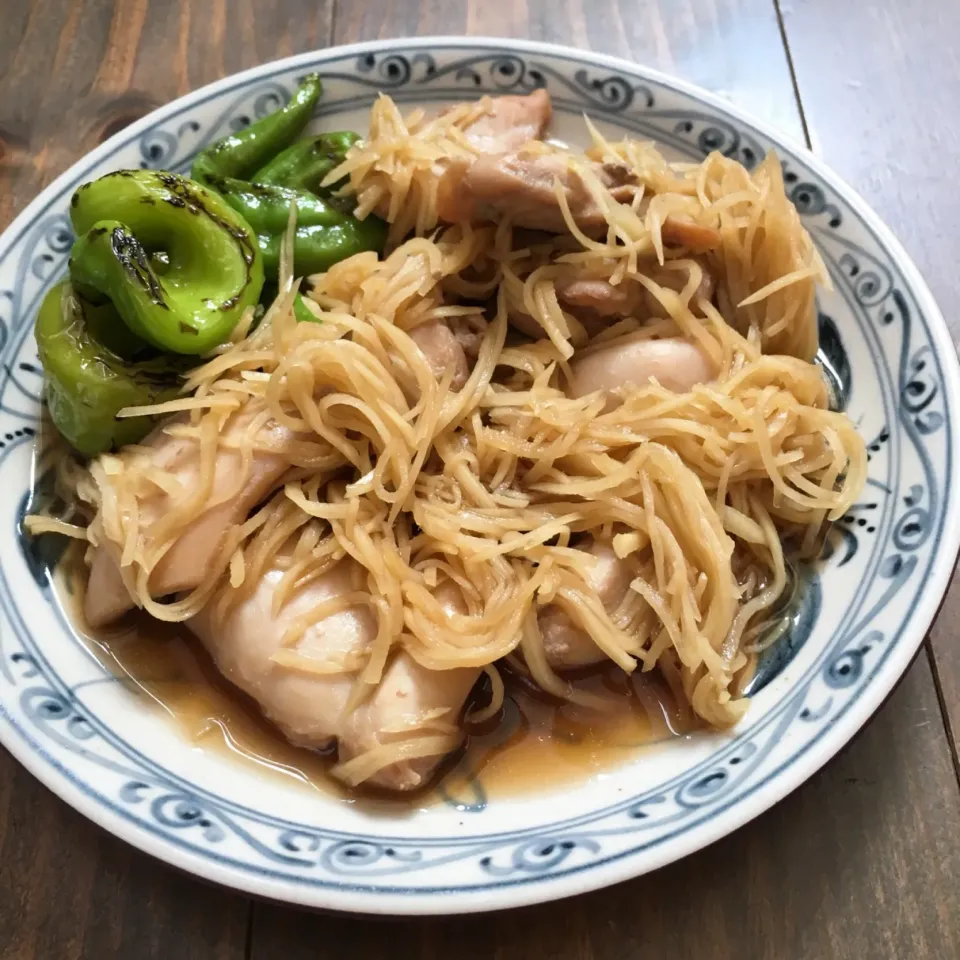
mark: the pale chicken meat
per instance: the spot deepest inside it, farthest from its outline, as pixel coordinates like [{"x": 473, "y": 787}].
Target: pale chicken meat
[
  {"x": 506, "y": 180},
  {"x": 442, "y": 351},
  {"x": 469, "y": 331},
  {"x": 635, "y": 361},
  {"x": 410, "y": 701},
  {"x": 568, "y": 646},
  {"x": 521, "y": 186},
  {"x": 509, "y": 122},
  {"x": 311, "y": 706},
  {"x": 232, "y": 496},
  {"x": 591, "y": 298},
  {"x": 503, "y": 125},
  {"x": 683, "y": 231},
  {"x": 596, "y": 303},
  {"x": 599, "y": 298}
]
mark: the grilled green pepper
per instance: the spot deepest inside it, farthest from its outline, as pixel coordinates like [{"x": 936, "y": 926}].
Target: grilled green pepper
[
  {"x": 303, "y": 165},
  {"x": 317, "y": 248},
  {"x": 267, "y": 208},
  {"x": 86, "y": 382},
  {"x": 241, "y": 154},
  {"x": 326, "y": 231},
  {"x": 260, "y": 172},
  {"x": 178, "y": 263}
]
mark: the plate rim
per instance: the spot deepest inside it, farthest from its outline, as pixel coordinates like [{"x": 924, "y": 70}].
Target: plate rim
[{"x": 46, "y": 769}]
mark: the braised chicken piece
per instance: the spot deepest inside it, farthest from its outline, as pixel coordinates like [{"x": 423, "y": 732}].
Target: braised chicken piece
[
  {"x": 568, "y": 646},
  {"x": 506, "y": 180},
  {"x": 633, "y": 361},
  {"x": 186, "y": 562},
  {"x": 680, "y": 231},
  {"x": 521, "y": 186},
  {"x": 231, "y": 497},
  {"x": 600, "y": 298},
  {"x": 509, "y": 122},
  {"x": 305, "y": 688},
  {"x": 442, "y": 350}
]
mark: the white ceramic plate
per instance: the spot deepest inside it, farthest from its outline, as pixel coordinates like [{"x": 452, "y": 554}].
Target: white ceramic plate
[{"x": 99, "y": 747}]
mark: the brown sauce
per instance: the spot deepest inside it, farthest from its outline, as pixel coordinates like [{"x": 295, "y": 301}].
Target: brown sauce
[
  {"x": 540, "y": 741},
  {"x": 535, "y": 742}
]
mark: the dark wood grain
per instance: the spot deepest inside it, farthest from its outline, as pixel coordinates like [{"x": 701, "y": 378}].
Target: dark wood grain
[
  {"x": 732, "y": 47},
  {"x": 862, "y": 862},
  {"x": 886, "y": 120},
  {"x": 69, "y": 890},
  {"x": 74, "y": 72}
]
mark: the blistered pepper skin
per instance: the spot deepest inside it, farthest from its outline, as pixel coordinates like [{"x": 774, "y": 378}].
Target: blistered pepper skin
[
  {"x": 303, "y": 165},
  {"x": 326, "y": 231},
  {"x": 86, "y": 384},
  {"x": 261, "y": 173},
  {"x": 267, "y": 208},
  {"x": 212, "y": 269},
  {"x": 316, "y": 249},
  {"x": 243, "y": 153}
]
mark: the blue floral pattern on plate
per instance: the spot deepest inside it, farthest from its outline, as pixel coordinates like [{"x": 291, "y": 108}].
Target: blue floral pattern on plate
[{"x": 884, "y": 350}]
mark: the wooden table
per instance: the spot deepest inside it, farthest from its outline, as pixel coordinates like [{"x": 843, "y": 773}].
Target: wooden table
[{"x": 861, "y": 862}]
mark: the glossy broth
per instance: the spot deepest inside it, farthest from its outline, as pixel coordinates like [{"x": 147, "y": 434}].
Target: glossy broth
[{"x": 536, "y": 741}]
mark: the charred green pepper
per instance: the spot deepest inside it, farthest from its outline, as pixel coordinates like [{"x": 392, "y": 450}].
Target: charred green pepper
[
  {"x": 326, "y": 231},
  {"x": 86, "y": 382},
  {"x": 303, "y": 165},
  {"x": 267, "y": 208},
  {"x": 260, "y": 172},
  {"x": 242, "y": 153},
  {"x": 317, "y": 248},
  {"x": 177, "y": 262}
]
